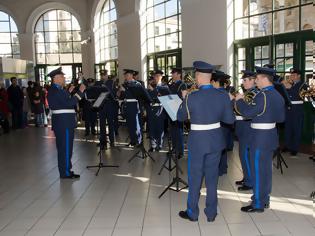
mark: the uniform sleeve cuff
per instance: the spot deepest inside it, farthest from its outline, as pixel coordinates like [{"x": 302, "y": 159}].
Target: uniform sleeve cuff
[{"x": 78, "y": 96}]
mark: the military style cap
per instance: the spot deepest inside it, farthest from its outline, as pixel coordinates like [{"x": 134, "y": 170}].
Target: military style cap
[
  {"x": 265, "y": 71},
  {"x": 128, "y": 71},
  {"x": 295, "y": 71},
  {"x": 103, "y": 72},
  {"x": 176, "y": 70},
  {"x": 158, "y": 72},
  {"x": 135, "y": 73},
  {"x": 55, "y": 72},
  {"x": 217, "y": 75},
  {"x": 247, "y": 73},
  {"x": 203, "y": 67},
  {"x": 271, "y": 66}
]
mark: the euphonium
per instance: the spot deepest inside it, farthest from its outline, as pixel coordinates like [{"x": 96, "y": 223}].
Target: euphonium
[
  {"x": 307, "y": 94},
  {"x": 249, "y": 95},
  {"x": 191, "y": 83}
]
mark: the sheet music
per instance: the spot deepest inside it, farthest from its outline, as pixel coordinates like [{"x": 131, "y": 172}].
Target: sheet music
[
  {"x": 100, "y": 100},
  {"x": 171, "y": 104}
]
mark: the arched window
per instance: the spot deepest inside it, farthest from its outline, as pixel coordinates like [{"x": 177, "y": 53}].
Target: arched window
[
  {"x": 161, "y": 33},
  {"x": 9, "y": 42},
  {"x": 57, "y": 42},
  {"x": 106, "y": 45}
]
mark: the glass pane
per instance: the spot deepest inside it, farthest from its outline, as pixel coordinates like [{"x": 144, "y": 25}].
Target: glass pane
[
  {"x": 65, "y": 36},
  {"x": 160, "y": 44},
  {"x": 40, "y": 48},
  {"x": 112, "y": 16},
  {"x": 265, "y": 51},
  {"x": 50, "y": 25},
  {"x": 4, "y": 26},
  {"x": 280, "y": 50},
  {"x": 306, "y": 1},
  {"x": 4, "y": 16},
  {"x": 241, "y": 29},
  {"x": 13, "y": 25},
  {"x": 288, "y": 64},
  {"x": 286, "y": 21},
  {"x": 150, "y": 15},
  {"x": 63, "y": 15},
  {"x": 241, "y": 8},
  {"x": 40, "y": 58},
  {"x": 264, "y": 62},
  {"x": 39, "y": 37},
  {"x": 171, "y": 25},
  {"x": 66, "y": 58},
  {"x": 308, "y": 17},
  {"x": 172, "y": 41},
  {"x": 113, "y": 40},
  {"x": 15, "y": 48},
  {"x": 241, "y": 53},
  {"x": 259, "y": 6},
  {"x": 278, "y": 4},
  {"x": 65, "y": 47},
  {"x": 171, "y": 8},
  {"x": 159, "y": 12},
  {"x": 51, "y": 47},
  {"x": 113, "y": 53},
  {"x": 159, "y": 27},
  {"x": 289, "y": 49},
  {"x": 64, "y": 25},
  {"x": 113, "y": 28},
  {"x": 75, "y": 24},
  {"x": 39, "y": 25},
  {"x": 150, "y": 29},
  {"x": 158, "y": 1},
  {"x": 51, "y": 37},
  {"x": 150, "y": 45},
  {"x": 260, "y": 25},
  {"x": 14, "y": 38},
  {"x": 5, "y": 38},
  {"x": 76, "y": 35},
  {"x": 309, "y": 63},
  {"x": 5, "y": 49},
  {"x": 257, "y": 52},
  {"x": 51, "y": 15},
  {"x": 241, "y": 65},
  {"x": 258, "y": 63},
  {"x": 149, "y": 3},
  {"x": 52, "y": 58},
  {"x": 280, "y": 65},
  {"x": 309, "y": 47}
]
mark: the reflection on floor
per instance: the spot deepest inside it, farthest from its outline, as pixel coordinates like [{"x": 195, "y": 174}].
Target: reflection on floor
[{"x": 124, "y": 201}]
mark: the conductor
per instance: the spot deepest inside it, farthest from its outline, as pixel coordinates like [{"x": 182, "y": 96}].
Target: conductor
[{"x": 62, "y": 106}]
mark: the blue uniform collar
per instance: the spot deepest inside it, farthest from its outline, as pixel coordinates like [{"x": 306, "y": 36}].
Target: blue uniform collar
[
  {"x": 221, "y": 88},
  {"x": 58, "y": 86},
  {"x": 271, "y": 87},
  {"x": 205, "y": 87},
  {"x": 178, "y": 82}
]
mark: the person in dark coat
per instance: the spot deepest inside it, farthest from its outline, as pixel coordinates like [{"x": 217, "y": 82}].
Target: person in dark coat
[{"x": 16, "y": 98}]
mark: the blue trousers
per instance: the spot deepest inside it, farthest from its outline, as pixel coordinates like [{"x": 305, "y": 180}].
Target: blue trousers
[
  {"x": 64, "y": 143},
  {"x": 107, "y": 116},
  {"x": 133, "y": 123},
  {"x": 202, "y": 165},
  {"x": 261, "y": 167},
  {"x": 293, "y": 131},
  {"x": 245, "y": 162},
  {"x": 156, "y": 130}
]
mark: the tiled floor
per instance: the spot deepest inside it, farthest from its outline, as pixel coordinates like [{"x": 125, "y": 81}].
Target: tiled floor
[{"x": 124, "y": 201}]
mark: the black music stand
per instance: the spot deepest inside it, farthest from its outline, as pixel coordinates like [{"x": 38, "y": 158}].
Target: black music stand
[
  {"x": 166, "y": 100},
  {"x": 97, "y": 105},
  {"x": 279, "y": 160},
  {"x": 141, "y": 151}
]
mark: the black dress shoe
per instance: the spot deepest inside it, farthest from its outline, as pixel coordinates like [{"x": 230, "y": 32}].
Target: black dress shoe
[
  {"x": 251, "y": 209},
  {"x": 244, "y": 188},
  {"x": 94, "y": 132},
  {"x": 71, "y": 176},
  {"x": 284, "y": 149},
  {"x": 239, "y": 182},
  {"x": 267, "y": 205},
  {"x": 211, "y": 219},
  {"x": 180, "y": 156},
  {"x": 157, "y": 149},
  {"x": 184, "y": 215},
  {"x": 151, "y": 149}
]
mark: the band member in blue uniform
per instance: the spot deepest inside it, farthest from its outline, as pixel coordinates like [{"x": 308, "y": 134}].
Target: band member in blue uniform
[
  {"x": 205, "y": 108},
  {"x": 218, "y": 80},
  {"x": 177, "y": 128},
  {"x": 132, "y": 92},
  {"x": 106, "y": 114},
  {"x": 294, "y": 114},
  {"x": 156, "y": 114},
  {"x": 267, "y": 109},
  {"x": 89, "y": 116},
  {"x": 63, "y": 120},
  {"x": 242, "y": 130}
]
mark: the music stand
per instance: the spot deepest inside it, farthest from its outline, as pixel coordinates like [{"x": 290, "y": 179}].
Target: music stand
[
  {"x": 171, "y": 104},
  {"x": 97, "y": 105},
  {"x": 142, "y": 152}
]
